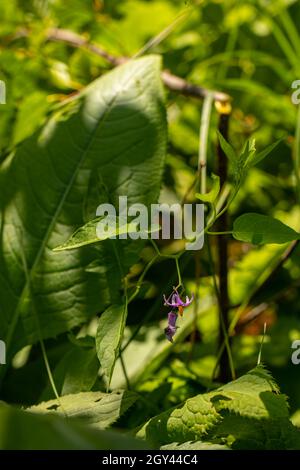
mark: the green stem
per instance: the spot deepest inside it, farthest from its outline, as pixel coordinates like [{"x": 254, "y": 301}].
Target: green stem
[
  {"x": 48, "y": 369},
  {"x": 178, "y": 273},
  {"x": 164, "y": 33},
  {"x": 39, "y": 332},
  {"x": 225, "y": 192},
  {"x": 290, "y": 28},
  {"x": 124, "y": 371},
  {"x": 261, "y": 344},
  {"x": 229, "y": 232},
  {"x": 230, "y": 46},
  {"x": 284, "y": 44},
  {"x": 226, "y": 207},
  {"x": 140, "y": 281},
  {"x": 203, "y": 140},
  {"x": 163, "y": 255}
]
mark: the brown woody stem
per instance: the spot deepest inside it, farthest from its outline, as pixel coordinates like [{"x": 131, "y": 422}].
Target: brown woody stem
[
  {"x": 222, "y": 250},
  {"x": 173, "y": 82}
]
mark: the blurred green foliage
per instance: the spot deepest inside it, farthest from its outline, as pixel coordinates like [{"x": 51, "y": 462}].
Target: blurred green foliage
[{"x": 250, "y": 50}]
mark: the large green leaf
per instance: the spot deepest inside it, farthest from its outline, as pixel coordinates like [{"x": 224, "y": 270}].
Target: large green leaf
[
  {"x": 97, "y": 408},
  {"x": 190, "y": 421},
  {"x": 261, "y": 229},
  {"x": 101, "y": 145},
  {"x": 230, "y": 412},
  {"x": 22, "y": 430}
]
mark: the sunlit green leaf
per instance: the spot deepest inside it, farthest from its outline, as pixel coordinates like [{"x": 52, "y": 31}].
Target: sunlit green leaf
[
  {"x": 227, "y": 148},
  {"x": 252, "y": 402},
  {"x": 96, "y": 408},
  {"x": 258, "y": 157},
  {"x": 111, "y": 136},
  {"x": 261, "y": 229},
  {"x": 112, "y": 227}
]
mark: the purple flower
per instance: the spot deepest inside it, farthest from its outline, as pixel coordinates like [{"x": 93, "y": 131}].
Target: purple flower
[
  {"x": 172, "y": 317},
  {"x": 177, "y": 302},
  {"x": 170, "y": 330}
]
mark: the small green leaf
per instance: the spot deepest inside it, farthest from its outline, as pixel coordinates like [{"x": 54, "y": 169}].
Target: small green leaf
[
  {"x": 227, "y": 148},
  {"x": 212, "y": 195},
  {"x": 109, "y": 337},
  {"x": 258, "y": 157},
  {"x": 248, "y": 150},
  {"x": 240, "y": 166},
  {"x": 261, "y": 229},
  {"x": 114, "y": 227}
]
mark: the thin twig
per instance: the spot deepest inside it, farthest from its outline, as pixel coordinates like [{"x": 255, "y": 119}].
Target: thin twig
[
  {"x": 153, "y": 42},
  {"x": 256, "y": 311},
  {"x": 173, "y": 82},
  {"x": 178, "y": 273},
  {"x": 180, "y": 85},
  {"x": 124, "y": 371},
  {"x": 261, "y": 344},
  {"x": 75, "y": 40},
  {"x": 253, "y": 314}
]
